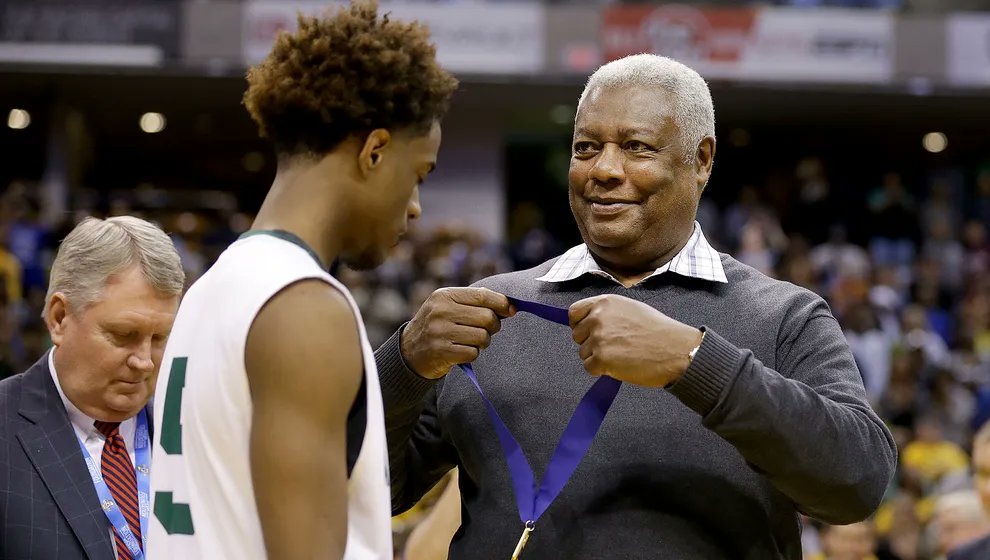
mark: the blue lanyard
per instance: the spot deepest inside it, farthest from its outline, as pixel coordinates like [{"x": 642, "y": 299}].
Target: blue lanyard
[
  {"x": 142, "y": 455},
  {"x": 574, "y": 443}
]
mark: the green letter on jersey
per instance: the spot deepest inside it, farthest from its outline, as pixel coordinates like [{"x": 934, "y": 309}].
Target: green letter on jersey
[
  {"x": 176, "y": 518},
  {"x": 171, "y": 426}
]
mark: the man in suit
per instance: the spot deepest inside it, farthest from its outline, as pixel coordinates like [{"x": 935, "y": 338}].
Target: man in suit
[
  {"x": 980, "y": 548},
  {"x": 74, "y": 451}
]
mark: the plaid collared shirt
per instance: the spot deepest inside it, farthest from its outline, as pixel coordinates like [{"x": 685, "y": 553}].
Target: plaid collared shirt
[{"x": 697, "y": 260}]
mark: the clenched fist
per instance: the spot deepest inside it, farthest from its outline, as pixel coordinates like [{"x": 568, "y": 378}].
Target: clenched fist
[
  {"x": 451, "y": 328},
  {"x": 631, "y": 341}
]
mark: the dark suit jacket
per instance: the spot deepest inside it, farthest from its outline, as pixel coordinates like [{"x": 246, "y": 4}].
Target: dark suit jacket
[
  {"x": 976, "y": 550},
  {"x": 48, "y": 506}
]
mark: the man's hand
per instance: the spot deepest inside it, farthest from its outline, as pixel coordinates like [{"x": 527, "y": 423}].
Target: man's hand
[
  {"x": 630, "y": 341},
  {"x": 452, "y": 327}
]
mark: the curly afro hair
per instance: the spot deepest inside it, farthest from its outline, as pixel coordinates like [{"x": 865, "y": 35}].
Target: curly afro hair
[{"x": 346, "y": 73}]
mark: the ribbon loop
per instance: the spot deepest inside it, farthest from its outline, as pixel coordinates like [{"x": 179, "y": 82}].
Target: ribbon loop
[{"x": 533, "y": 501}]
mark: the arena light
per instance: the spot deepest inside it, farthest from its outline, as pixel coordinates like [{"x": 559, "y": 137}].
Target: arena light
[
  {"x": 935, "y": 142},
  {"x": 18, "y": 119},
  {"x": 187, "y": 222},
  {"x": 152, "y": 122}
]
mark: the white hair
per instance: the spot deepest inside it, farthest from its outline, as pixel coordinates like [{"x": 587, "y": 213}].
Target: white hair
[
  {"x": 695, "y": 112},
  {"x": 97, "y": 249},
  {"x": 966, "y": 502}
]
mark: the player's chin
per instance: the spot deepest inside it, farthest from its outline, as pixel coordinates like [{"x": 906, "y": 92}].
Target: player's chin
[{"x": 366, "y": 260}]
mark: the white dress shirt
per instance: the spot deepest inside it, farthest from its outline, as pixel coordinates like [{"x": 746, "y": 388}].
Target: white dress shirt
[
  {"x": 87, "y": 433},
  {"x": 83, "y": 425}
]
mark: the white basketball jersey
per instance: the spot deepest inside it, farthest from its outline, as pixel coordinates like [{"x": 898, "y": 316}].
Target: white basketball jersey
[{"x": 203, "y": 499}]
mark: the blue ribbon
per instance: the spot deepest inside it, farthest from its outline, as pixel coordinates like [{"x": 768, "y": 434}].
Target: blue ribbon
[
  {"x": 142, "y": 456},
  {"x": 531, "y": 500}
]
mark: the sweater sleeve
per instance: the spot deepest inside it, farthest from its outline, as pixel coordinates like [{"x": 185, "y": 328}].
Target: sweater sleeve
[
  {"x": 808, "y": 426},
  {"x": 418, "y": 454}
]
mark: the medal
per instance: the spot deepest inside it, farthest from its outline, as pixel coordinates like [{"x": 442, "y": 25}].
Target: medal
[{"x": 523, "y": 539}]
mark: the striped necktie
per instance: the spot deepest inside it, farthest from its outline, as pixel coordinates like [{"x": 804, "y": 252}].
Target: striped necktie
[{"x": 118, "y": 473}]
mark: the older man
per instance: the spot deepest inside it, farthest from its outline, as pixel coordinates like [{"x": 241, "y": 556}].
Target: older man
[
  {"x": 74, "y": 433},
  {"x": 979, "y": 549},
  {"x": 740, "y": 403}
]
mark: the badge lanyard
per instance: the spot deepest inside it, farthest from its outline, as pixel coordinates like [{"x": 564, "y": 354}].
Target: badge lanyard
[
  {"x": 531, "y": 500},
  {"x": 142, "y": 456}
]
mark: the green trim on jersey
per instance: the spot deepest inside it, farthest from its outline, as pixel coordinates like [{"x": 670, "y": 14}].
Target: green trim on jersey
[{"x": 285, "y": 236}]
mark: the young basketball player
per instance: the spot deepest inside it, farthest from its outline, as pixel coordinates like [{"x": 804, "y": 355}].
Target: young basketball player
[{"x": 269, "y": 434}]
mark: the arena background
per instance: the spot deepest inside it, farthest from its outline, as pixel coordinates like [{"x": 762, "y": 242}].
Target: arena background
[{"x": 853, "y": 159}]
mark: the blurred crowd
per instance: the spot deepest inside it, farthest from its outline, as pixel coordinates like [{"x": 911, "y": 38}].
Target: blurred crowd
[{"x": 906, "y": 271}]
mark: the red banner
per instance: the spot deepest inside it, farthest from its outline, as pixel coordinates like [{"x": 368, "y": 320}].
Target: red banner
[{"x": 689, "y": 34}]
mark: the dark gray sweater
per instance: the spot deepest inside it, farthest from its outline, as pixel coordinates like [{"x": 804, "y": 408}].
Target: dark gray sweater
[{"x": 770, "y": 419}]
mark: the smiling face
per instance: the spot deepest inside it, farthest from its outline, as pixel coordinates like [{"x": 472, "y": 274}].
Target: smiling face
[
  {"x": 633, "y": 191},
  {"x": 107, "y": 355}
]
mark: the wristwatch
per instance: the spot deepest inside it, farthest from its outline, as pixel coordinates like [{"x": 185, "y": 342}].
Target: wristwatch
[{"x": 695, "y": 350}]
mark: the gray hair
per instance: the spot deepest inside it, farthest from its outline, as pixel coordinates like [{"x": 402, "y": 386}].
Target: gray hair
[
  {"x": 966, "y": 502},
  {"x": 97, "y": 249},
  {"x": 692, "y": 99}
]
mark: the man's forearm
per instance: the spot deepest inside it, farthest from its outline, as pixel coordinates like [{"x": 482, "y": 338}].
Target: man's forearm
[
  {"x": 813, "y": 436},
  {"x": 403, "y": 394}
]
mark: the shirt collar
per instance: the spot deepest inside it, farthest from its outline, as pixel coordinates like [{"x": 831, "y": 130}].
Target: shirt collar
[
  {"x": 78, "y": 418},
  {"x": 697, "y": 259}
]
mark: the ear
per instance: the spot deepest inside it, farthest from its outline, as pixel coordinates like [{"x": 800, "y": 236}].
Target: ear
[
  {"x": 703, "y": 160},
  {"x": 373, "y": 151},
  {"x": 55, "y": 318}
]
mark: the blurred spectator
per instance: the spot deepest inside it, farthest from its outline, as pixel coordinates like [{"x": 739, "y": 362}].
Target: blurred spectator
[
  {"x": 27, "y": 238},
  {"x": 12, "y": 277},
  {"x": 919, "y": 335},
  {"x": 959, "y": 520},
  {"x": 943, "y": 248},
  {"x": 940, "y": 210},
  {"x": 794, "y": 264},
  {"x": 977, "y": 250},
  {"x": 931, "y": 457},
  {"x": 530, "y": 242},
  {"x": 952, "y": 405},
  {"x": 813, "y": 213},
  {"x": 838, "y": 259},
  {"x": 754, "y": 249},
  {"x": 872, "y": 348},
  {"x": 711, "y": 223},
  {"x": 893, "y": 227},
  {"x": 747, "y": 207},
  {"x": 752, "y": 228},
  {"x": 900, "y": 525},
  {"x": 857, "y": 541},
  {"x": 979, "y": 549},
  {"x": 980, "y": 204}
]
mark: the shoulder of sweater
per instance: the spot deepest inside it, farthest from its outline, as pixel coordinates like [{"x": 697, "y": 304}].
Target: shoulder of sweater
[
  {"x": 750, "y": 284},
  {"x": 501, "y": 282}
]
